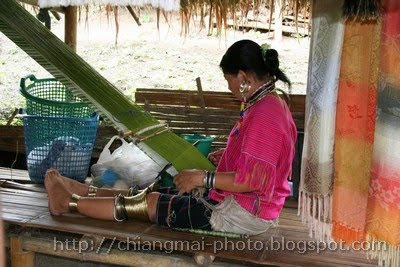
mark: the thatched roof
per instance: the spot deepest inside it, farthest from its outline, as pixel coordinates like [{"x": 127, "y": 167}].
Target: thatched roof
[
  {"x": 167, "y": 5},
  {"x": 219, "y": 13}
]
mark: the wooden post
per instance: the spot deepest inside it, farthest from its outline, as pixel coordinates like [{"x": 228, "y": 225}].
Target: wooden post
[
  {"x": 71, "y": 26},
  {"x": 202, "y": 102},
  {"x": 20, "y": 258},
  {"x": 200, "y": 92},
  {"x": 210, "y": 20},
  {"x": 278, "y": 20}
]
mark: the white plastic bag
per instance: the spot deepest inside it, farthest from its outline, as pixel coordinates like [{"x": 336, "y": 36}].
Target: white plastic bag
[
  {"x": 126, "y": 166},
  {"x": 229, "y": 216}
]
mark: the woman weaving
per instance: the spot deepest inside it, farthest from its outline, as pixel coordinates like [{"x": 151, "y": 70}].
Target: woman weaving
[{"x": 252, "y": 169}]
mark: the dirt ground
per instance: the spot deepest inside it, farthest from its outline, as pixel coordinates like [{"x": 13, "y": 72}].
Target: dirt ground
[{"x": 147, "y": 58}]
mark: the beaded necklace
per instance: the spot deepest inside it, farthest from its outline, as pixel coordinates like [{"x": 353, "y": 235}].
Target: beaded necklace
[
  {"x": 259, "y": 94},
  {"x": 262, "y": 92}
]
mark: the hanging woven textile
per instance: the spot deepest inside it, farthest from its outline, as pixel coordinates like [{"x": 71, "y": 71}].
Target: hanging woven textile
[
  {"x": 383, "y": 208},
  {"x": 367, "y": 176},
  {"x": 365, "y": 164},
  {"x": 355, "y": 125},
  {"x": 317, "y": 162}
]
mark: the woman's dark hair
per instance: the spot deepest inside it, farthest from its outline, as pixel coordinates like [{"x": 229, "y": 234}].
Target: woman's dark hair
[{"x": 248, "y": 56}]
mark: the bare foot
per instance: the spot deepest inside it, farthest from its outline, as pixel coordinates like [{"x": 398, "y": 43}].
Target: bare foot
[
  {"x": 72, "y": 185},
  {"x": 59, "y": 196}
]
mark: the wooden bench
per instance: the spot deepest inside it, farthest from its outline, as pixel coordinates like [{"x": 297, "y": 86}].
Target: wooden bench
[
  {"x": 31, "y": 229},
  {"x": 203, "y": 112}
]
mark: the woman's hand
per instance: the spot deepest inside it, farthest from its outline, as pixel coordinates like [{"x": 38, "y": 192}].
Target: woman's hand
[
  {"x": 215, "y": 157},
  {"x": 187, "y": 180}
]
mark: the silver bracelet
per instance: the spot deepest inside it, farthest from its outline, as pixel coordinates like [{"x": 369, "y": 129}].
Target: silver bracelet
[
  {"x": 213, "y": 180},
  {"x": 205, "y": 179},
  {"x": 209, "y": 179}
]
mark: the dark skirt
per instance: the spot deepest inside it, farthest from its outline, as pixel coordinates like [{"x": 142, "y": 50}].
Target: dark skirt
[{"x": 182, "y": 211}]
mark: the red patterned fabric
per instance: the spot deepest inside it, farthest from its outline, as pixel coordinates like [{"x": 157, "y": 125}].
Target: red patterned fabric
[{"x": 261, "y": 155}]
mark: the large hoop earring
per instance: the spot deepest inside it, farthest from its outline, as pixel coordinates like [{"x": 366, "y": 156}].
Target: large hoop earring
[{"x": 242, "y": 87}]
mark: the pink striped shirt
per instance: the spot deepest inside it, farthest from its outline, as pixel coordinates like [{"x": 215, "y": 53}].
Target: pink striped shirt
[{"x": 261, "y": 155}]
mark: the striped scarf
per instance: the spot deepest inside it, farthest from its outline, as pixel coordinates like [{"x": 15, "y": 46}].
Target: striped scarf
[{"x": 353, "y": 194}]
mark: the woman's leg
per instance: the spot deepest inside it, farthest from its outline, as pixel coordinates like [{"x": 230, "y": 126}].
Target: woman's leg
[
  {"x": 102, "y": 208},
  {"x": 82, "y": 189},
  {"x": 168, "y": 210}
]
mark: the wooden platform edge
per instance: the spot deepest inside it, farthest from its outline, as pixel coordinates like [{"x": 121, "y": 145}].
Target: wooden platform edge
[{"x": 47, "y": 246}]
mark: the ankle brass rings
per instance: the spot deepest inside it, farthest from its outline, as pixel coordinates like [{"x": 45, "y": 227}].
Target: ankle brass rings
[
  {"x": 73, "y": 203},
  {"x": 92, "y": 191}
]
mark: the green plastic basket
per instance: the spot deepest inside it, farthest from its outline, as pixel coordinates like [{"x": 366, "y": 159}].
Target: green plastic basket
[
  {"x": 50, "y": 98},
  {"x": 201, "y": 142}
]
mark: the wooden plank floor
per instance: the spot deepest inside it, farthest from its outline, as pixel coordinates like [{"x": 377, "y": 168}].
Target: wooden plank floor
[{"x": 30, "y": 209}]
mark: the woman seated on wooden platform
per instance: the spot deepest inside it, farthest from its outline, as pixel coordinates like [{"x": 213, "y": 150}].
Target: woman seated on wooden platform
[{"x": 250, "y": 182}]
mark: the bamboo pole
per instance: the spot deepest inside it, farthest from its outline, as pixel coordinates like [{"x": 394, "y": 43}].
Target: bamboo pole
[
  {"x": 133, "y": 14},
  {"x": 71, "y": 26}
]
